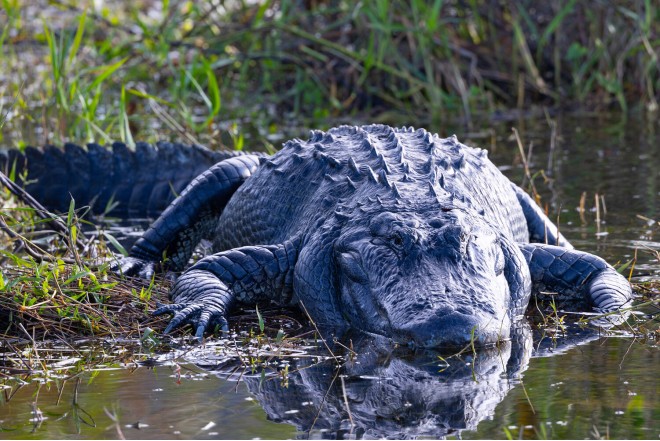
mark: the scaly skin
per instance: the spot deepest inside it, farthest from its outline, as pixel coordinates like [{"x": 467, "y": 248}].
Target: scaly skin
[
  {"x": 140, "y": 183},
  {"x": 393, "y": 232}
]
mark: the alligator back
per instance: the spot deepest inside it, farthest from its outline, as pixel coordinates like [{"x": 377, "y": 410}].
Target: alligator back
[
  {"x": 350, "y": 169},
  {"x": 115, "y": 180}
]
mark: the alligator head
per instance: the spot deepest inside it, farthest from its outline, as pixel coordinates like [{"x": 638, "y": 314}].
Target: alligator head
[{"x": 429, "y": 278}]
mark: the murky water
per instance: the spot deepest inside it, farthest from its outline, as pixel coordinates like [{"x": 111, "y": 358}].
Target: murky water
[
  {"x": 147, "y": 403},
  {"x": 586, "y": 387},
  {"x": 605, "y": 387}
]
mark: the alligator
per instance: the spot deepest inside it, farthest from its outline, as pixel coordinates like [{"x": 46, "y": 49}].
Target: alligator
[{"x": 394, "y": 232}]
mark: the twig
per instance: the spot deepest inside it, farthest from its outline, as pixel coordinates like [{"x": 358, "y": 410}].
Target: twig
[
  {"x": 51, "y": 219},
  {"x": 348, "y": 409},
  {"x": 319, "y": 332},
  {"x": 524, "y": 158},
  {"x": 322, "y": 403},
  {"x": 597, "y": 202},
  {"x": 40, "y": 255},
  {"x": 115, "y": 422}
]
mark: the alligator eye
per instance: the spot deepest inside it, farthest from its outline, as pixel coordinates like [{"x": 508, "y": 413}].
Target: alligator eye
[{"x": 397, "y": 239}]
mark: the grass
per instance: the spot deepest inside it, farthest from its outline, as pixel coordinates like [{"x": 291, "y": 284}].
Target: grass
[
  {"x": 55, "y": 281},
  {"x": 199, "y": 70},
  {"x": 61, "y": 290}
]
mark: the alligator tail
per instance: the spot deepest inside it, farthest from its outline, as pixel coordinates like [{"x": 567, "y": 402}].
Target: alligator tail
[{"x": 117, "y": 180}]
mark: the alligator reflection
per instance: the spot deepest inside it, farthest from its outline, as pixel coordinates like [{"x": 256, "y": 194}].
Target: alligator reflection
[{"x": 395, "y": 395}]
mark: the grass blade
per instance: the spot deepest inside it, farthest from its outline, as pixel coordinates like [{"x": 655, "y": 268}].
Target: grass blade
[
  {"x": 115, "y": 243},
  {"x": 554, "y": 24},
  {"x": 77, "y": 39},
  {"x": 106, "y": 71}
]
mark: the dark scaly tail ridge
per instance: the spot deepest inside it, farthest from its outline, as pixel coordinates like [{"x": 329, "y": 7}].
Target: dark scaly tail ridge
[{"x": 134, "y": 183}]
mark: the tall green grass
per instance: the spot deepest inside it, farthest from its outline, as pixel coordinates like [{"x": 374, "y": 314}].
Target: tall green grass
[{"x": 197, "y": 69}]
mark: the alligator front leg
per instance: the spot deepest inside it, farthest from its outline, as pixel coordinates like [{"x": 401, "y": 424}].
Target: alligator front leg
[
  {"x": 577, "y": 275},
  {"x": 205, "y": 292},
  {"x": 188, "y": 219}
]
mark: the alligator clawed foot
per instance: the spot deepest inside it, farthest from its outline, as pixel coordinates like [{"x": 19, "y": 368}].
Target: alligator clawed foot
[
  {"x": 201, "y": 301},
  {"x": 133, "y": 266},
  {"x": 198, "y": 315}
]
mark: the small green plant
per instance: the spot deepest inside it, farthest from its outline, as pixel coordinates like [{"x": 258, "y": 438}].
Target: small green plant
[
  {"x": 148, "y": 339},
  {"x": 63, "y": 284}
]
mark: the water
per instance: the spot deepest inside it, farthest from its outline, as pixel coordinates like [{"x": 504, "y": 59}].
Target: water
[
  {"x": 586, "y": 387},
  {"x": 607, "y": 386},
  {"x": 149, "y": 404}
]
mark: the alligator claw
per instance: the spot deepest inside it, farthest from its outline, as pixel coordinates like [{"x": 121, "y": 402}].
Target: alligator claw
[
  {"x": 201, "y": 300},
  {"x": 183, "y": 315},
  {"x": 133, "y": 266},
  {"x": 171, "y": 276},
  {"x": 165, "y": 309}
]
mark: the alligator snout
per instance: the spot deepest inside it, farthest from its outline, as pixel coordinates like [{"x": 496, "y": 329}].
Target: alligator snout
[{"x": 449, "y": 328}]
